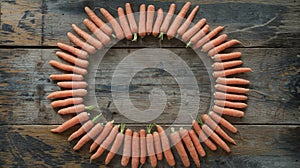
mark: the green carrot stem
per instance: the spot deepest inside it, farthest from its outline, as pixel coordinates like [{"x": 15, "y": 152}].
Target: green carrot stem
[
  {"x": 135, "y": 37},
  {"x": 122, "y": 128},
  {"x": 89, "y": 107},
  {"x": 161, "y": 36},
  {"x": 188, "y": 45},
  {"x": 96, "y": 118},
  {"x": 172, "y": 129}
]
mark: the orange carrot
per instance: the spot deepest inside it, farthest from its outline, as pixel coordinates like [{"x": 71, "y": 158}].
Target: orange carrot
[
  {"x": 150, "y": 17},
  {"x": 197, "y": 143},
  {"x": 67, "y": 93},
  {"x": 201, "y": 33},
  {"x": 227, "y": 64},
  {"x": 158, "y": 22},
  {"x": 228, "y": 111},
  {"x": 114, "y": 23},
  {"x": 66, "y": 77},
  {"x": 124, "y": 24},
  {"x": 131, "y": 20},
  {"x": 178, "y": 19},
  {"x": 127, "y": 147},
  {"x": 100, "y": 23},
  {"x": 106, "y": 143},
  {"x": 232, "y": 71},
  {"x": 143, "y": 146},
  {"x": 66, "y": 102},
  {"x": 85, "y": 46},
  {"x": 166, "y": 146},
  {"x": 166, "y": 23},
  {"x": 73, "y": 85},
  {"x": 183, "y": 28},
  {"x": 150, "y": 146},
  {"x": 87, "y": 37},
  {"x": 97, "y": 129},
  {"x": 209, "y": 36},
  {"x": 106, "y": 130},
  {"x": 142, "y": 21},
  {"x": 231, "y": 89},
  {"x": 222, "y": 47},
  {"x": 81, "y": 117},
  {"x": 184, "y": 134},
  {"x": 228, "y": 96},
  {"x": 228, "y": 56},
  {"x": 75, "y": 109},
  {"x": 157, "y": 146},
  {"x": 78, "y": 52},
  {"x": 176, "y": 140},
  {"x": 116, "y": 145},
  {"x": 232, "y": 81},
  {"x": 135, "y": 150},
  {"x": 224, "y": 103},
  {"x": 223, "y": 122},
  {"x": 213, "y": 43},
  {"x": 197, "y": 27},
  {"x": 69, "y": 68},
  {"x": 72, "y": 59},
  {"x": 203, "y": 137},
  {"x": 101, "y": 36}
]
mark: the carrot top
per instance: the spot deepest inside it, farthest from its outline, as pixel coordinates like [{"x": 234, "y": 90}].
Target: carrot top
[
  {"x": 149, "y": 127},
  {"x": 96, "y": 118},
  {"x": 122, "y": 128}
]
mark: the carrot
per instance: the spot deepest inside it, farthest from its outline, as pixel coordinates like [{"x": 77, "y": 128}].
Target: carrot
[
  {"x": 114, "y": 23},
  {"x": 73, "y": 85},
  {"x": 67, "y": 93},
  {"x": 143, "y": 146},
  {"x": 158, "y": 22},
  {"x": 228, "y": 56},
  {"x": 66, "y": 77},
  {"x": 157, "y": 146},
  {"x": 85, "y": 46},
  {"x": 100, "y": 23},
  {"x": 72, "y": 59},
  {"x": 142, "y": 21},
  {"x": 176, "y": 140},
  {"x": 150, "y": 17},
  {"x": 135, "y": 150},
  {"x": 193, "y": 30},
  {"x": 184, "y": 134},
  {"x": 101, "y": 36},
  {"x": 75, "y": 109},
  {"x": 197, "y": 143},
  {"x": 222, "y": 47},
  {"x": 178, "y": 19},
  {"x": 116, "y": 145},
  {"x": 126, "y": 148},
  {"x": 227, "y": 64},
  {"x": 198, "y": 36},
  {"x": 131, "y": 20},
  {"x": 84, "y": 128},
  {"x": 66, "y": 67},
  {"x": 150, "y": 146},
  {"x": 231, "y": 89},
  {"x": 166, "y": 146},
  {"x": 106, "y": 143},
  {"x": 87, "y": 37},
  {"x": 224, "y": 103},
  {"x": 166, "y": 23},
  {"x": 232, "y": 71},
  {"x": 213, "y": 43},
  {"x": 106, "y": 130},
  {"x": 82, "y": 117},
  {"x": 124, "y": 24},
  {"x": 222, "y": 121},
  {"x": 77, "y": 52},
  {"x": 66, "y": 102},
  {"x": 232, "y": 81},
  {"x": 211, "y": 123},
  {"x": 209, "y": 36},
  {"x": 97, "y": 129},
  {"x": 229, "y": 96},
  {"x": 203, "y": 137},
  {"x": 228, "y": 111},
  {"x": 183, "y": 28}
]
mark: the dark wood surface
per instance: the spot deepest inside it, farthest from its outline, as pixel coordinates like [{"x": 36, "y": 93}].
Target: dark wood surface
[{"x": 268, "y": 134}]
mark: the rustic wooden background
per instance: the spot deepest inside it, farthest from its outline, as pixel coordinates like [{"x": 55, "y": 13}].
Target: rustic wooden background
[{"x": 269, "y": 134}]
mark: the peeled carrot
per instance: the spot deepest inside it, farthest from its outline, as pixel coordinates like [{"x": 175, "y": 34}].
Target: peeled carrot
[
  {"x": 184, "y": 134},
  {"x": 114, "y": 23},
  {"x": 66, "y": 102},
  {"x": 81, "y": 117},
  {"x": 227, "y": 56},
  {"x": 66, "y": 77},
  {"x": 67, "y": 93},
  {"x": 213, "y": 43},
  {"x": 209, "y": 36},
  {"x": 157, "y": 145},
  {"x": 193, "y": 30},
  {"x": 106, "y": 143},
  {"x": 69, "y": 68},
  {"x": 228, "y": 111},
  {"x": 203, "y": 137},
  {"x": 232, "y": 81},
  {"x": 74, "y": 109},
  {"x": 158, "y": 22},
  {"x": 231, "y": 89},
  {"x": 197, "y": 143},
  {"x": 72, "y": 59},
  {"x": 101, "y": 36},
  {"x": 85, "y": 46},
  {"x": 150, "y": 17},
  {"x": 166, "y": 23},
  {"x": 227, "y": 64},
  {"x": 77, "y": 52},
  {"x": 194, "y": 39},
  {"x": 73, "y": 84},
  {"x": 131, "y": 20},
  {"x": 100, "y": 23},
  {"x": 106, "y": 130},
  {"x": 183, "y": 28},
  {"x": 142, "y": 21},
  {"x": 177, "y": 21},
  {"x": 91, "y": 134},
  {"x": 229, "y": 96},
  {"x": 166, "y": 146},
  {"x": 224, "y": 103},
  {"x": 222, "y": 47},
  {"x": 176, "y": 140},
  {"x": 150, "y": 146},
  {"x": 127, "y": 147},
  {"x": 116, "y": 145},
  {"x": 143, "y": 146},
  {"x": 124, "y": 24},
  {"x": 87, "y": 37},
  {"x": 223, "y": 122},
  {"x": 215, "y": 138},
  {"x": 232, "y": 71},
  {"x": 135, "y": 150}
]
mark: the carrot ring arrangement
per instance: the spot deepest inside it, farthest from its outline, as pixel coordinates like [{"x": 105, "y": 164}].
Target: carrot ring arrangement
[{"x": 229, "y": 96}]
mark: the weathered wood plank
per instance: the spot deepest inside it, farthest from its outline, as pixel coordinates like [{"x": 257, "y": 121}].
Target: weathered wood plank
[{"x": 32, "y": 146}]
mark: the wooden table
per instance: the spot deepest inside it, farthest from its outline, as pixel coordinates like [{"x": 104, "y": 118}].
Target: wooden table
[{"x": 268, "y": 134}]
